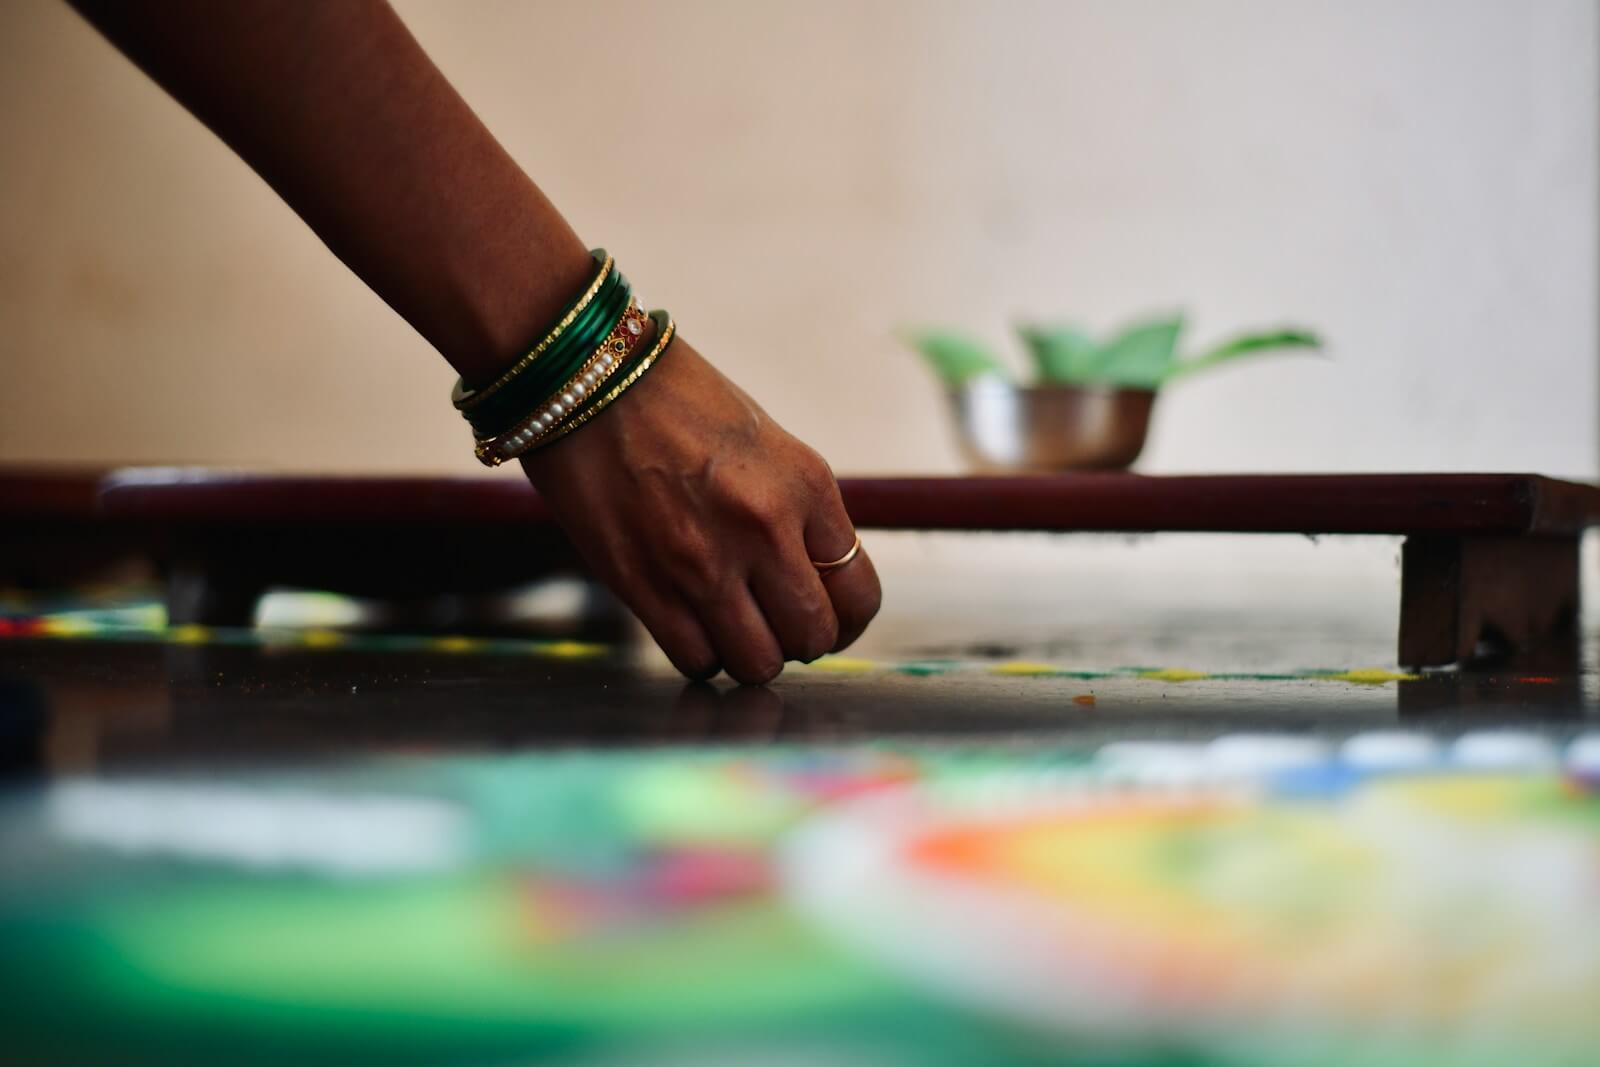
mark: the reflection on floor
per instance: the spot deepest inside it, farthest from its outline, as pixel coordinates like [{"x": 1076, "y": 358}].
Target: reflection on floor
[{"x": 100, "y": 681}]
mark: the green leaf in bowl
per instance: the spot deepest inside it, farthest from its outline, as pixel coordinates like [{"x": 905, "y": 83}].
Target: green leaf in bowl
[
  {"x": 1143, "y": 355},
  {"x": 1063, "y": 355},
  {"x": 954, "y": 357},
  {"x": 1253, "y": 344}
]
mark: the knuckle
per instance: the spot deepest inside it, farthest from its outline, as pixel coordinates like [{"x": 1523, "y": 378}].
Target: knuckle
[
  {"x": 764, "y": 511},
  {"x": 752, "y": 503},
  {"x": 855, "y": 614},
  {"x": 689, "y": 558},
  {"x": 719, "y": 605},
  {"x": 864, "y": 615},
  {"x": 871, "y": 602},
  {"x": 726, "y": 484},
  {"x": 821, "y": 629},
  {"x": 822, "y": 641},
  {"x": 814, "y": 471}
]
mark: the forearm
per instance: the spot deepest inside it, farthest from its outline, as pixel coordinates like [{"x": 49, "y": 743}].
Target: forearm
[
  {"x": 703, "y": 514},
  {"x": 340, "y": 110}
]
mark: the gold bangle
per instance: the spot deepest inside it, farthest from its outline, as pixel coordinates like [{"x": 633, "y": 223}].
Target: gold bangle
[
  {"x": 607, "y": 358},
  {"x": 466, "y": 399},
  {"x": 668, "y": 328}
]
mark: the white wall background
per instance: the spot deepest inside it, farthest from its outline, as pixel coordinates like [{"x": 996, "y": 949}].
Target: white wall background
[{"x": 1415, "y": 178}]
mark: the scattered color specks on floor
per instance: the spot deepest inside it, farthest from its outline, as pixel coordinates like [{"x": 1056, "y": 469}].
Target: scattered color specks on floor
[{"x": 146, "y": 621}]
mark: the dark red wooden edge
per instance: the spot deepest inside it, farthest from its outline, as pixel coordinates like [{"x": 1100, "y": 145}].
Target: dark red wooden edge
[
  {"x": 39, "y": 493},
  {"x": 1294, "y": 503},
  {"x": 1311, "y": 503}
]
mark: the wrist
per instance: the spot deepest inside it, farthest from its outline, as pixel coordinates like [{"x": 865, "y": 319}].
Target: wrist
[
  {"x": 499, "y": 315},
  {"x": 601, "y": 343}
]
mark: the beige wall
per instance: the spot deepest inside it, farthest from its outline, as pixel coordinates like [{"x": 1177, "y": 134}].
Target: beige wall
[{"x": 1417, "y": 178}]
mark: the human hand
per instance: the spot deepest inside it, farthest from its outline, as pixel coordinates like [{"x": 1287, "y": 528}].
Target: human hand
[{"x": 704, "y": 516}]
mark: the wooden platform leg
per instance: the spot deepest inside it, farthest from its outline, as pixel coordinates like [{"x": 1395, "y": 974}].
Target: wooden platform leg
[
  {"x": 208, "y": 595},
  {"x": 1489, "y": 601}
]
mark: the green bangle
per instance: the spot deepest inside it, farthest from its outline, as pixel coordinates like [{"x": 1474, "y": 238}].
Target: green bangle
[
  {"x": 465, "y": 398},
  {"x": 541, "y": 380},
  {"x": 603, "y": 367}
]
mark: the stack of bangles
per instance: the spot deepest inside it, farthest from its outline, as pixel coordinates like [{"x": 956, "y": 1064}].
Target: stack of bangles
[{"x": 585, "y": 361}]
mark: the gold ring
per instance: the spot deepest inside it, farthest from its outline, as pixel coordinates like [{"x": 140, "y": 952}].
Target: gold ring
[{"x": 844, "y": 560}]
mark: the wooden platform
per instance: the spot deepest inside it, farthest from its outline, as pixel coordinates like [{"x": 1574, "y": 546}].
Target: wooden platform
[{"x": 1489, "y": 567}]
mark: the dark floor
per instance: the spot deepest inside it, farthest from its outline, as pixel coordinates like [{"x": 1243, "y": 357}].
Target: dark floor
[
  {"x": 1017, "y": 642},
  {"x": 74, "y": 705}
]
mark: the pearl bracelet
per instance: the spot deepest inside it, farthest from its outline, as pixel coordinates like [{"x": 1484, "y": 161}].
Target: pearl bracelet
[
  {"x": 667, "y": 328},
  {"x": 611, "y": 354}
]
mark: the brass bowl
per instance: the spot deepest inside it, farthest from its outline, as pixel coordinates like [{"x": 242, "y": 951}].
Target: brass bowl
[{"x": 1050, "y": 428}]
